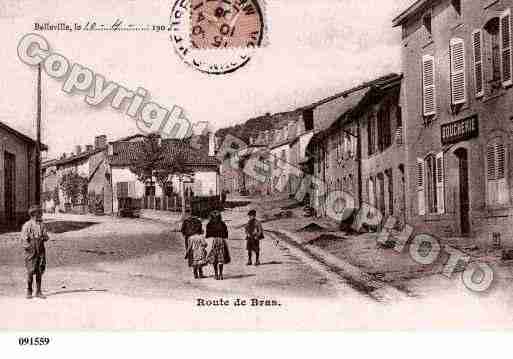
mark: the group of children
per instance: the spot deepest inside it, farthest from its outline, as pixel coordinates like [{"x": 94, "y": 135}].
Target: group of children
[{"x": 219, "y": 254}]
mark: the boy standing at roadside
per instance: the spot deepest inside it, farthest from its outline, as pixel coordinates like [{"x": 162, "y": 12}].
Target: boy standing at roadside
[
  {"x": 33, "y": 238},
  {"x": 254, "y": 233}
]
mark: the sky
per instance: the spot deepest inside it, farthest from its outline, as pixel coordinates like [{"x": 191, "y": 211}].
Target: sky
[{"x": 315, "y": 49}]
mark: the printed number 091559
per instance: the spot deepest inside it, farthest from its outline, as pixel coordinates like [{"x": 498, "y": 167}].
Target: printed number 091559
[{"x": 34, "y": 340}]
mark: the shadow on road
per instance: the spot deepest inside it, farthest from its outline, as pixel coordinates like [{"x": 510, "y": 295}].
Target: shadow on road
[
  {"x": 240, "y": 276},
  {"x": 67, "y": 226},
  {"x": 71, "y": 291}
]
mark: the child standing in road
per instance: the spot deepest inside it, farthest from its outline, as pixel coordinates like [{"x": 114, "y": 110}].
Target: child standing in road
[
  {"x": 254, "y": 233},
  {"x": 197, "y": 251},
  {"x": 33, "y": 238},
  {"x": 219, "y": 254}
]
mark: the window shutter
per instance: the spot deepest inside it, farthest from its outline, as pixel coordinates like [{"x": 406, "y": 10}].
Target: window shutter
[
  {"x": 491, "y": 174},
  {"x": 505, "y": 37},
  {"x": 440, "y": 183},
  {"x": 502, "y": 190},
  {"x": 477, "y": 41},
  {"x": 428, "y": 84},
  {"x": 458, "y": 81},
  {"x": 420, "y": 187}
]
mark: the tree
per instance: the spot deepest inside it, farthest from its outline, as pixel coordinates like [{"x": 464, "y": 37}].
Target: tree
[
  {"x": 161, "y": 162},
  {"x": 74, "y": 187}
]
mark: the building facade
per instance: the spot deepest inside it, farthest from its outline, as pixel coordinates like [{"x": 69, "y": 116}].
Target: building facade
[
  {"x": 360, "y": 152},
  {"x": 18, "y": 177},
  {"x": 201, "y": 164},
  {"x": 458, "y": 102},
  {"x": 88, "y": 162}
]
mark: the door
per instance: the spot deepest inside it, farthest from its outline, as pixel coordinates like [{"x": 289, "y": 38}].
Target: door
[
  {"x": 10, "y": 187},
  {"x": 464, "y": 197}
]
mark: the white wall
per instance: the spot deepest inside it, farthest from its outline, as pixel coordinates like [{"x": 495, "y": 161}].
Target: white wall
[
  {"x": 205, "y": 184},
  {"x": 125, "y": 175}
]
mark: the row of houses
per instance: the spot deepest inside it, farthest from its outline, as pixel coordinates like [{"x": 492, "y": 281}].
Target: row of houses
[
  {"x": 431, "y": 146},
  {"x": 108, "y": 180}
]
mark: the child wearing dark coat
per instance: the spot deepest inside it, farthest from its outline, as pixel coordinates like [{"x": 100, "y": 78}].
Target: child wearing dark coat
[{"x": 219, "y": 253}]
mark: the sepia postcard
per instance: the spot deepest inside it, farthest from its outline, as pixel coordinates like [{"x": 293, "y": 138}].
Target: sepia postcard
[{"x": 255, "y": 165}]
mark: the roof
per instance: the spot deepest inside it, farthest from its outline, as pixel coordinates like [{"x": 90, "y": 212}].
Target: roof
[
  {"x": 73, "y": 158},
  {"x": 410, "y": 11},
  {"x": 377, "y": 82},
  {"x": 125, "y": 153},
  {"x": 21, "y": 135},
  {"x": 343, "y": 105}
]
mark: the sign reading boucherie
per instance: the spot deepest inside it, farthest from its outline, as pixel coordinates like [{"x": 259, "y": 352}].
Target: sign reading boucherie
[{"x": 460, "y": 130}]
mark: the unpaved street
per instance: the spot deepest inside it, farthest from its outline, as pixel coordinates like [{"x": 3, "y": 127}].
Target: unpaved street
[
  {"x": 130, "y": 274},
  {"x": 142, "y": 260}
]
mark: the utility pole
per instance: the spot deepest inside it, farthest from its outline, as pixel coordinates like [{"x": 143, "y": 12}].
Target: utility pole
[{"x": 38, "y": 138}]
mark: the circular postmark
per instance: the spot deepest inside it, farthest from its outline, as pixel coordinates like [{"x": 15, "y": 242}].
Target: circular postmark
[{"x": 216, "y": 36}]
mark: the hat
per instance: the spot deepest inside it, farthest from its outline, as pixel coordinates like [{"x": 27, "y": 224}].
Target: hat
[
  {"x": 252, "y": 213},
  {"x": 34, "y": 209}
]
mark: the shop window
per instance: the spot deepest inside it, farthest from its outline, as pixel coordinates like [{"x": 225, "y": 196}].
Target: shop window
[{"x": 496, "y": 173}]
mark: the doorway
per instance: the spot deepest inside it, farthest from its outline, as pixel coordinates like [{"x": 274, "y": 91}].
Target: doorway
[
  {"x": 9, "y": 188},
  {"x": 464, "y": 197}
]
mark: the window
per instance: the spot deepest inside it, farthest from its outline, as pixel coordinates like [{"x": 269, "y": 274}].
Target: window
[
  {"x": 428, "y": 85},
  {"x": 456, "y": 4},
  {"x": 426, "y": 20},
  {"x": 309, "y": 120},
  {"x": 421, "y": 199},
  {"x": 399, "y": 126},
  {"x": 492, "y": 29},
  {"x": 384, "y": 130},
  {"x": 149, "y": 190},
  {"x": 380, "y": 191},
  {"x": 477, "y": 45},
  {"x": 458, "y": 80},
  {"x": 371, "y": 135},
  {"x": 431, "y": 184},
  {"x": 505, "y": 44},
  {"x": 390, "y": 182},
  {"x": 497, "y": 188},
  {"x": 371, "y": 192}
]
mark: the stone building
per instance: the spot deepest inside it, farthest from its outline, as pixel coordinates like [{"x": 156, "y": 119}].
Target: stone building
[
  {"x": 89, "y": 162},
  {"x": 458, "y": 109},
  {"x": 17, "y": 176},
  {"x": 356, "y": 152}
]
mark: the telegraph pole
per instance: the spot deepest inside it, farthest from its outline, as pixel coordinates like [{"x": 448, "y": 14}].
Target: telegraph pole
[{"x": 38, "y": 138}]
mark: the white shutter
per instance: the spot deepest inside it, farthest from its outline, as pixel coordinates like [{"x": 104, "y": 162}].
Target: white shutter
[
  {"x": 505, "y": 42},
  {"x": 372, "y": 198},
  {"x": 421, "y": 197},
  {"x": 440, "y": 183},
  {"x": 428, "y": 85},
  {"x": 491, "y": 174},
  {"x": 458, "y": 81},
  {"x": 477, "y": 45},
  {"x": 502, "y": 190}
]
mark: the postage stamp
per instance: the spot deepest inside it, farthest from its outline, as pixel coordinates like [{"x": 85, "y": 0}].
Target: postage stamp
[{"x": 232, "y": 31}]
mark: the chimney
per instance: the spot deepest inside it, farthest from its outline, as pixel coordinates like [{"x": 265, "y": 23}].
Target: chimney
[
  {"x": 78, "y": 149},
  {"x": 251, "y": 141},
  {"x": 211, "y": 144},
  {"x": 89, "y": 148},
  {"x": 100, "y": 141}
]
